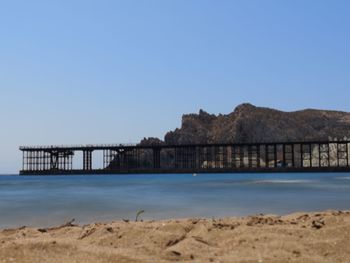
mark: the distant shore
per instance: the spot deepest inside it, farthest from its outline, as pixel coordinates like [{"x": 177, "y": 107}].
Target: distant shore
[{"x": 299, "y": 237}]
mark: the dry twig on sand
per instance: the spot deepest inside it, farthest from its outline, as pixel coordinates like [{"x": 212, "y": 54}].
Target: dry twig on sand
[{"x": 67, "y": 224}]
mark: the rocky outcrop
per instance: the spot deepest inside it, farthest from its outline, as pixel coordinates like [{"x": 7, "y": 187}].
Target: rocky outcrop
[
  {"x": 248, "y": 123},
  {"x": 151, "y": 141}
]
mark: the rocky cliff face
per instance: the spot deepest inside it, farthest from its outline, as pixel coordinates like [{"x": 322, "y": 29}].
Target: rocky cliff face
[{"x": 248, "y": 123}]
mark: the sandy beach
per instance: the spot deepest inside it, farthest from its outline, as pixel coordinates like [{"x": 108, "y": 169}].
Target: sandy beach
[{"x": 300, "y": 237}]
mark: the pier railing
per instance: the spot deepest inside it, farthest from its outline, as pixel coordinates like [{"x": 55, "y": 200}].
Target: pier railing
[{"x": 75, "y": 146}]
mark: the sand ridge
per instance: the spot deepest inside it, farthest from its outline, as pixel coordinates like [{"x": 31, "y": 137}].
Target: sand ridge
[{"x": 299, "y": 237}]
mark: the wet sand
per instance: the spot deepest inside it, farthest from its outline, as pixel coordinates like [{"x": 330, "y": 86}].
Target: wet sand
[{"x": 300, "y": 237}]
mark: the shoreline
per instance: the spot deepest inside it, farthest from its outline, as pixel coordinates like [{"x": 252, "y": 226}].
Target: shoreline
[{"x": 298, "y": 237}]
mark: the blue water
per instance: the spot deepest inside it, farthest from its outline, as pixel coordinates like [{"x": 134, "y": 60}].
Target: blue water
[{"x": 46, "y": 201}]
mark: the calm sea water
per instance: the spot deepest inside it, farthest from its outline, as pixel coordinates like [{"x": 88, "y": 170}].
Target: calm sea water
[{"x": 46, "y": 201}]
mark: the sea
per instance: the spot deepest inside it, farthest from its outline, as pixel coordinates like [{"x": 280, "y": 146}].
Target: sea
[{"x": 43, "y": 201}]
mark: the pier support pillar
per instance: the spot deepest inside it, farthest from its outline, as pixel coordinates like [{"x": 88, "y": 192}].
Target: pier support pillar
[
  {"x": 156, "y": 158},
  {"x": 87, "y": 160}
]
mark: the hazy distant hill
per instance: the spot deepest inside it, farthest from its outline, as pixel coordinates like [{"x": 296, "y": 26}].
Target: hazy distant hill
[{"x": 248, "y": 123}]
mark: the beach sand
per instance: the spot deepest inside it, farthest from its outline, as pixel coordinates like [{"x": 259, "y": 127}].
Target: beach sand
[{"x": 300, "y": 237}]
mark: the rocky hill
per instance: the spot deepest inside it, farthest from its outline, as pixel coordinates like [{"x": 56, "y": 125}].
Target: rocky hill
[{"x": 248, "y": 123}]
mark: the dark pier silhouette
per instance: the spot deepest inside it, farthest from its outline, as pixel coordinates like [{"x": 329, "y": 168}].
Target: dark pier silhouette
[{"x": 313, "y": 156}]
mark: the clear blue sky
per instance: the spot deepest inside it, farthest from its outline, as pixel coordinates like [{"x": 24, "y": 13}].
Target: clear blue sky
[{"x": 74, "y": 71}]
